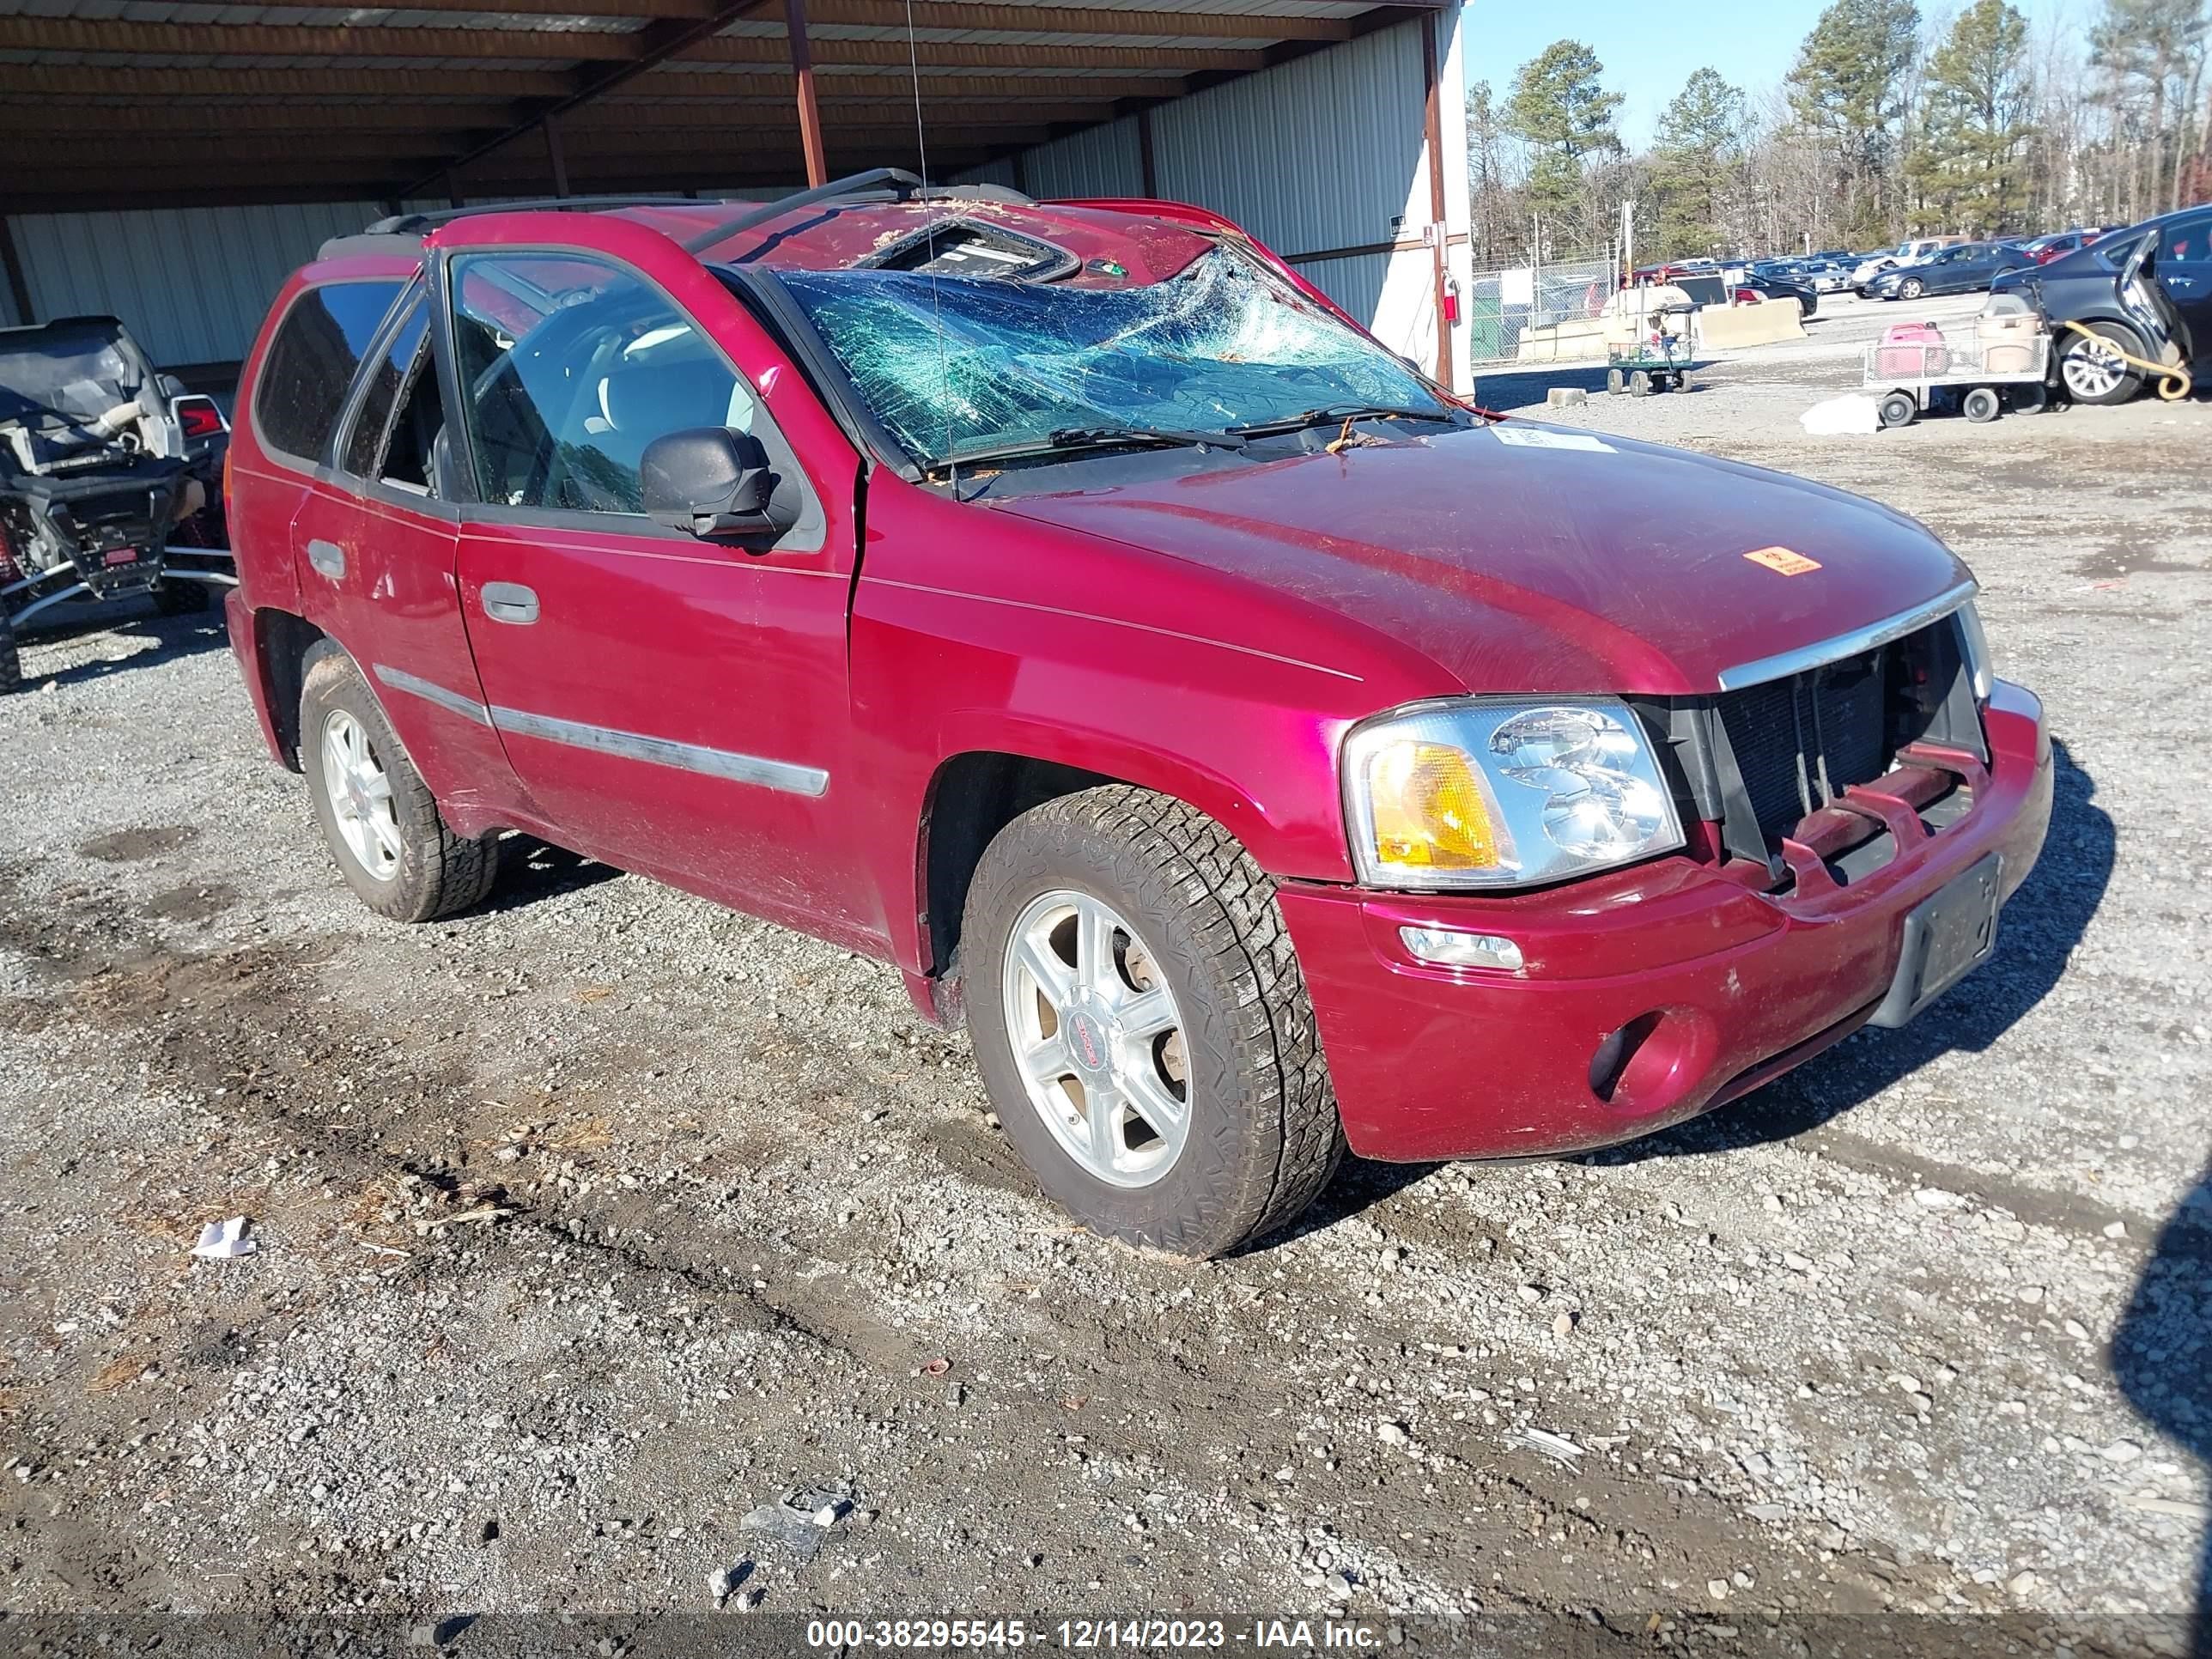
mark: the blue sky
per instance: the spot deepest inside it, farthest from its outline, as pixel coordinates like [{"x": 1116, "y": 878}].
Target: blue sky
[{"x": 1649, "y": 49}]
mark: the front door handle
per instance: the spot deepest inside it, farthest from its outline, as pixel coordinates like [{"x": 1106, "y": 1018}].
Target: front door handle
[
  {"x": 510, "y": 602},
  {"x": 328, "y": 558}
]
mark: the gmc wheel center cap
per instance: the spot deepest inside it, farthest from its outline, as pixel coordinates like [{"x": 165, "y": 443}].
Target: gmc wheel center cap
[{"x": 1086, "y": 1039}]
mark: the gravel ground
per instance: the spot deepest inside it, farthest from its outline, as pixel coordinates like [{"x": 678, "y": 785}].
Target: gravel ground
[{"x": 593, "y": 1222}]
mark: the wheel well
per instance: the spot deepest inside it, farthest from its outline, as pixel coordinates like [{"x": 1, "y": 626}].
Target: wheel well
[
  {"x": 285, "y": 641},
  {"x": 971, "y": 798}
]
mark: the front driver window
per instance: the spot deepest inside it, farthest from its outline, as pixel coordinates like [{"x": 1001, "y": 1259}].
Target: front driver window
[{"x": 570, "y": 367}]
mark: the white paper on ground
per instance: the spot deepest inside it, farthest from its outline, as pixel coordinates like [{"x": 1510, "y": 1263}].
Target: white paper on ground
[
  {"x": 1531, "y": 437},
  {"x": 225, "y": 1238},
  {"x": 1853, "y": 412}
]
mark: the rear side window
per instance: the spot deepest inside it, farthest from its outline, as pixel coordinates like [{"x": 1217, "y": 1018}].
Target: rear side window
[
  {"x": 312, "y": 361},
  {"x": 2186, "y": 243}
]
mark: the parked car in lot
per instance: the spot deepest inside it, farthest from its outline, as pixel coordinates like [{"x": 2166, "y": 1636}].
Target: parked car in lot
[
  {"x": 1917, "y": 250},
  {"x": 1965, "y": 268},
  {"x": 1753, "y": 286},
  {"x": 1259, "y": 750},
  {"x": 2044, "y": 249},
  {"x": 1822, "y": 275},
  {"x": 108, "y": 479},
  {"x": 2146, "y": 292}
]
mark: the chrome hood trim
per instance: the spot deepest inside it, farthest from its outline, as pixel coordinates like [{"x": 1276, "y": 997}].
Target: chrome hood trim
[{"x": 1858, "y": 641}]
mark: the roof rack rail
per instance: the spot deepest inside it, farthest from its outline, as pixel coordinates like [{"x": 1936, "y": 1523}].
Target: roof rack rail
[
  {"x": 901, "y": 185},
  {"x": 412, "y": 221}
]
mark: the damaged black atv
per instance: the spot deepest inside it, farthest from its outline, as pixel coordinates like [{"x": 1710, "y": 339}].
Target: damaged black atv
[{"x": 109, "y": 478}]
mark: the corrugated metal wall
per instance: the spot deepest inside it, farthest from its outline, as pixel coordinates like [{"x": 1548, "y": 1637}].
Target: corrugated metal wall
[
  {"x": 1100, "y": 160},
  {"x": 192, "y": 284},
  {"x": 1324, "y": 152},
  {"x": 1319, "y": 153}
]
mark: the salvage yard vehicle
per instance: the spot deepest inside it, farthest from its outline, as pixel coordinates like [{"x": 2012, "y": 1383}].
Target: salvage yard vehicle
[
  {"x": 103, "y": 461},
  {"x": 1259, "y": 749},
  {"x": 2133, "y": 297}
]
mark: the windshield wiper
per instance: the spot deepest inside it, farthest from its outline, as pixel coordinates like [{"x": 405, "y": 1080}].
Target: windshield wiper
[
  {"x": 1069, "y": 438},
  {"x": 1339, "y": 412}
]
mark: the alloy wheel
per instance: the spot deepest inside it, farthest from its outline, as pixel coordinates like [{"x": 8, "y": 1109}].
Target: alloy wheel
[
  {"x": 360, "y": 792},
  {"x": 2092, "y": 368},
  {"x": 1097, "y": 1038}
]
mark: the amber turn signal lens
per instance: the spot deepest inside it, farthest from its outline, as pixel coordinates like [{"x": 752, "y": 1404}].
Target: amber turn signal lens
[{"x": 1430, "y": 813}]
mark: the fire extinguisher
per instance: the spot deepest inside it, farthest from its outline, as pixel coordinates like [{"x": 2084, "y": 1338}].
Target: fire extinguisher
[{"x": 1451, "y": 301}]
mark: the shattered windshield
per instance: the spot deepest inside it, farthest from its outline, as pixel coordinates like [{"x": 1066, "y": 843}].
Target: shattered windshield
[{"x": 953, "y": 366}]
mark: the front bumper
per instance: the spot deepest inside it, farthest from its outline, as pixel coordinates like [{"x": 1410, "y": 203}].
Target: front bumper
[{"x": 1720, "y": 988}]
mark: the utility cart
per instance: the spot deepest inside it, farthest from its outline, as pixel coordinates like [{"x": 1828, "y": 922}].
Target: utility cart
[
  {"x": 1655, "y": 360},
  {"x": 1985, "y": 376}
]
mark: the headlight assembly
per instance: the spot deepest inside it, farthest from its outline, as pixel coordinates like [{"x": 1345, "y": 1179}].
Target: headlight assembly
[{"x": 1479, "y": 793}]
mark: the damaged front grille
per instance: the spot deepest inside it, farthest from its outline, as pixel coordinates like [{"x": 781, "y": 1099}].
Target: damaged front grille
[
  {"x": 1815, "y": 776},
  {"x": 1801, "y": 742}
]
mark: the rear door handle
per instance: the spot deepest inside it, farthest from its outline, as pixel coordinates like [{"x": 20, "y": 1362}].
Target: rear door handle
[
  {"x": 510, "y": 602},
  {"x": 328, "y": 558}
]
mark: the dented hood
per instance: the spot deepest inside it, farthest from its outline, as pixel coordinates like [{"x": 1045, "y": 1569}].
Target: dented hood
[{"x": 1526, "y": 558}]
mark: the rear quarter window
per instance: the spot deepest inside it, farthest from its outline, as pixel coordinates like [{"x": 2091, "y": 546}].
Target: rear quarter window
[{"x": 312, "y": 362}]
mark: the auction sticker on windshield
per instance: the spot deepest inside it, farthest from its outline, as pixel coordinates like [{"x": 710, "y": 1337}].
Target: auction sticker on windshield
[{"x": 1532, "y": 437}]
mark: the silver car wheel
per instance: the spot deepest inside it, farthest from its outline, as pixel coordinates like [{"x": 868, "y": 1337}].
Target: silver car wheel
[
  {"x": 1097, "y": 1038},
  {"x": 360, "y": 794},
  {"x": 2091, "y": 367}
]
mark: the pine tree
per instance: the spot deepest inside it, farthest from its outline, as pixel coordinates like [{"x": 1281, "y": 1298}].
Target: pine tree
[
  {"x": 1849, "y": 85},
  {"x": 1698, "y": 150},
  {"x": 1561, "y": 110},
  {"x": 1968, "y": 165}
]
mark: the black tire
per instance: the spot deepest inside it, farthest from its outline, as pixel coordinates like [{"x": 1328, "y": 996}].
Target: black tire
[
  {"x": 438, "y": 872},
  {"x": 1911, "y": 288},
  {"x": 2027, "y": 400},
  {"x": 2073, "y": 350},
  {"x": 1981, "y": 404},
  {"x": 11, "y": 660},
  {"x": 1900, "y": 408},
  {"x": 181, "y": 598},
  {"x": 1264, "y": 1137}
]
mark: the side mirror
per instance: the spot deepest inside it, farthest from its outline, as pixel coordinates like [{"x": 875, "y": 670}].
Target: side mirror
[{"x": 712, "y": 482}]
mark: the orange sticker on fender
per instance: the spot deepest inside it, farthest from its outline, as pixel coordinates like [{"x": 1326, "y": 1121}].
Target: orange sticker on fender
[{"x": 1783, "y": 560}]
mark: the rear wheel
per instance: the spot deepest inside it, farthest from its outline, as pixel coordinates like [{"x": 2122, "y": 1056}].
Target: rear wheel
[
  {"x": 377, "y": 814},
  {"x": 1639, "y": 384},
  {"x": 1981, "y": 404},
  {"x": 1900, "y": 408},
  {"x": 2090, "y": 367},
  {"x": 1141, "y": 1023}
]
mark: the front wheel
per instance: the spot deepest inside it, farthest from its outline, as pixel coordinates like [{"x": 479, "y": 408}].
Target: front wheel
[
  {"x": 1900, "y": 408},
  {"x": 1981, "y": 405},
  {"x": 1911, "y": 288},
  {"x": 379, "y": 817},
  {"x": 1142, "y": 1025}
]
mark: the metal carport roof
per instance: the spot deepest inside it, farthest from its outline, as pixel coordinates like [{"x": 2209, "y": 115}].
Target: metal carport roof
[{"x": 144, "y": 103}]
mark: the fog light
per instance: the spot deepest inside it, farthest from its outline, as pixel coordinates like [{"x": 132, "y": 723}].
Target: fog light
[{"x": 1449, "y": 948}]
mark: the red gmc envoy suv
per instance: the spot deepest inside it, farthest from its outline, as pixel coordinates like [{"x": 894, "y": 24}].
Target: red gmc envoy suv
[{"x": 1262, "y": 752}]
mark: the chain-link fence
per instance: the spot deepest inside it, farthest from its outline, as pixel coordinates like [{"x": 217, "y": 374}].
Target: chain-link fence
[{"x": 1504, "y": 305}]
